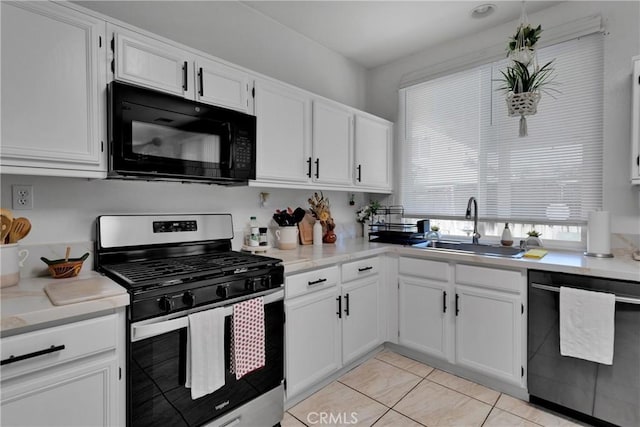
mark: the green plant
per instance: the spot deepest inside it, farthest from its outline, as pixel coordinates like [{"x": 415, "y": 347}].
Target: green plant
[
  {"x": 526, "y": 37},
  {"x": 518, "y": 79},
  {"x": 368, "y": 211},
  {"x": 435, "y": 228},
  {"x": 533, "y": 233}
]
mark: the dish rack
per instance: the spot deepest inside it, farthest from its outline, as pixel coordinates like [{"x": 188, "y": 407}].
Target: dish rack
[{"x": 389, "y": 224}]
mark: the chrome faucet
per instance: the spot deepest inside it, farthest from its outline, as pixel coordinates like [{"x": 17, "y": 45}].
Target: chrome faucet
[{"x": 476, "y": 235}]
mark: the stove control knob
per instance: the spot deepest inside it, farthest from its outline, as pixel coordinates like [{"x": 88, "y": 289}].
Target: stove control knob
[
  {"x": 166, "y": 304},
  {"x": 189, "y": 299},
  {"x": 251, "y": 284},
  {"x": 223, "y": 291}
]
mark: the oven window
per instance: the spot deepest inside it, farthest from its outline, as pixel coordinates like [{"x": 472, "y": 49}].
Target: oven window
[{"x": 174, "y": 143}]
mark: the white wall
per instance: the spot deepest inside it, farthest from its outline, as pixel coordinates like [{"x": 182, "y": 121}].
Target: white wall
[
  {"x": 236, "y": 33},
  {"x": 65, "y": 209},
  {"x": 622, "y": 42}
]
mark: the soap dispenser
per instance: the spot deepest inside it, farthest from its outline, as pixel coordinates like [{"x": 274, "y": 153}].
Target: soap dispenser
[{"x": 506, "y": 239}]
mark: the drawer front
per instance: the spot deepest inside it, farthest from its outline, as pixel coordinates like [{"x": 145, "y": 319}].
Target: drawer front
[
  {"x": 436, "y": 270},
  {"x": 361, "y": 268},
  {"x": 506, "y": 280},
  {"x": 52, "y": 346},
  {"x": 299, "y": 284}
]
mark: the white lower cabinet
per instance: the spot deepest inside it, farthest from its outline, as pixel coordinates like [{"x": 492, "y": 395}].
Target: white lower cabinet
[
  {"x": 488, "y": 334},
  {"x": 468, "y": 315},
  {"x": 329, "y": 325},
  {"x": 69, "y": 375}
]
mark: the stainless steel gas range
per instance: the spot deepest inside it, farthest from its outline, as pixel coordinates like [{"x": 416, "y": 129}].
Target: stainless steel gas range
[{"x": 174, "y": 266}]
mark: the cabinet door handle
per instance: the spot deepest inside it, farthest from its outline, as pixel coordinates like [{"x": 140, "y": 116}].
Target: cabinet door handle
[
  {"x": 317, "y": 168},
  {"x": 339, "y": 312},
  {"x": 444, "y": 301},
  {"x": 201, "y": 82},
  {"x": 185, "y": 79},
  {"x": 365, "y": 268},
  {"x": 457, "y": 304},
  {"x": 359, "y": 173},
  {"x": 316, "y": 282},
  {"x": 309, "y": 166},
  {"x": 346, "y": 299},
  {"x": 13, "y": 359}
]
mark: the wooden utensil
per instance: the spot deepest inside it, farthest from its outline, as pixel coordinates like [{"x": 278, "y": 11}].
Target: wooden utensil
[
  {"x": 19, "y": 229},
  {"x": 5, "y": 227}
]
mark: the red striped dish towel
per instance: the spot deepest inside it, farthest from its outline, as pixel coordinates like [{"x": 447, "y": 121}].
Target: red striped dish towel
[{"x": 247, "y": 337}]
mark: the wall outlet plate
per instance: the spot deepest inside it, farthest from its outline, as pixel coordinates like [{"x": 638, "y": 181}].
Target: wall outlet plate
[{"x": 22, "y": 197}]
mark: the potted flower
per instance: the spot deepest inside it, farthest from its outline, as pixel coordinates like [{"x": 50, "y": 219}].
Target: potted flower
[
  {"x": 364, "y": 216},
  {"x": 533, "y": 239},
  {"x": 521, "y": 47},
  {"x": 319, "y": 207}
]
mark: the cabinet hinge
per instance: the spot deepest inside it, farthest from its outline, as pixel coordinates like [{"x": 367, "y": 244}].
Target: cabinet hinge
[
  {"x": 521, "y": 308},
  {"x": 119, "y": 373},
  {"x": 522, "y": 371},
  {"x": 99, "y": 41}
]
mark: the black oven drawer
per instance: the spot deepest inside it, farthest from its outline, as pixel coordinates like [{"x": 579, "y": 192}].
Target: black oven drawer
[{"x": 157, "y": 395}]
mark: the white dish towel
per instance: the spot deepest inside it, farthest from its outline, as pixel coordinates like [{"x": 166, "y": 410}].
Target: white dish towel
[
  {"x": 205, "y": 352},
  {"x": 587, "y": 324}
]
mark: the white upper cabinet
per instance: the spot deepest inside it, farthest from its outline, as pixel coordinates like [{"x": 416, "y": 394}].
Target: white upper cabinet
[
  {"x": 219, "y": 84},
  {"x": 148, "y": 62},
  {"x": 332, "y": 144},
  {"x": 159, "y": 65},
  {"x": 283, "y": 117},
  {"x": 53, "y": 96},
  {"x": 635, "y": 124},
  {"x": 373, "y": 153}
]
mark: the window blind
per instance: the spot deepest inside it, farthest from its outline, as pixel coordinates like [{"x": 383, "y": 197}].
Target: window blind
[{"x": 458, "y": 142}]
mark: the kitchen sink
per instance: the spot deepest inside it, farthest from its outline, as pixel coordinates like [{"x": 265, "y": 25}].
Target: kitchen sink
[{"x": 479, "y": 249}]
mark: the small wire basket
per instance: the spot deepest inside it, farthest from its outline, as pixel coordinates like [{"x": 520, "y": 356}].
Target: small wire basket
[{"x": 65, "y": 268}]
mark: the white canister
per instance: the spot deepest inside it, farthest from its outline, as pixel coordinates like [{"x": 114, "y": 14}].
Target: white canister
[
  {"x": 11, "y": 259},
  {"x": 287, "y": 237}
]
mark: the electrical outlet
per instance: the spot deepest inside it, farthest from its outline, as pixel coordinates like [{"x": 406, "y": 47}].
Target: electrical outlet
[{"x": 22, "y": 197}]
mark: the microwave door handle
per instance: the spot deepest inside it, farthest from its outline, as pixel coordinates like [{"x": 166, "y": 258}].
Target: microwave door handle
[{"x": 230, "y": 145}]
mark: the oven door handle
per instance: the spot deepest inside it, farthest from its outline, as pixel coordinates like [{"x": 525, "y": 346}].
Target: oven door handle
[
  {"x": 625, "y": 300},
  {"x": 147, "y": 330}
]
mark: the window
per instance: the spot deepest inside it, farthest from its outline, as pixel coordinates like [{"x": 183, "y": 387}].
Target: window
[{"x": 459, "y": 142}]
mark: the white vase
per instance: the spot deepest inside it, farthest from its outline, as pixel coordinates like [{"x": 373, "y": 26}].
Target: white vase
[{"x": 365, "y": 230}]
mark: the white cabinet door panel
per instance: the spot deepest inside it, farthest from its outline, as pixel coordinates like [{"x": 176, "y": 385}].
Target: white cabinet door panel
[
  {"x": 221, "y": 85},
  {"x": 361, "y": 325},
  {"x": 488, "y": 325},
  {"x": 52, "y": 87},
  {"x": 332, "y": 144},
  {"x": 283, "y": 133},
  {"x": 373, "y": 153},
  {"x": 151, "y": 63},
  {"x": 423, "y": 313},
  {"x": 312, "y": 339}
]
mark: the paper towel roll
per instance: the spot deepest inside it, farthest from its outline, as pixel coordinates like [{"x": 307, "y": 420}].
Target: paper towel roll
[{"x": 599, "y": 234}]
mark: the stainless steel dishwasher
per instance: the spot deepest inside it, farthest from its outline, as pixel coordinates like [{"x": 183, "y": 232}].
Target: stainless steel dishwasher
[{"x": 596, "y": 393}]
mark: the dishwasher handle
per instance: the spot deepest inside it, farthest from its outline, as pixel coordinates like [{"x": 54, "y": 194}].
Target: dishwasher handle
[{"x": 625, "y": 300}]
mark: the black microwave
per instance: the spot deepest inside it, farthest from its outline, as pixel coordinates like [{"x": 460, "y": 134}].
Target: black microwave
[{"x": 156, "y": 136}]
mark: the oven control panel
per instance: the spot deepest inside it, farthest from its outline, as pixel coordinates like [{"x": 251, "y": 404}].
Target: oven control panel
[{"x": 174, "y": 226}]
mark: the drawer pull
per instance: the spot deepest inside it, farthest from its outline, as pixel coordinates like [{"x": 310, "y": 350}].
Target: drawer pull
[
  {"x": 316, "y": 282},
  {"x": 361, "y": 269},
  {"x": 13, "y": 359},
  {"x": 339, "y": 312}
]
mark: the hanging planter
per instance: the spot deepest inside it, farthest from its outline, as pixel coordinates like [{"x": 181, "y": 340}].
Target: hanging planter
[{"x": 523, "y": 80}]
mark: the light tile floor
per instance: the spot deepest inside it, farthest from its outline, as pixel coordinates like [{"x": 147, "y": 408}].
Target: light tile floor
[{"x": 392, "y": 390}]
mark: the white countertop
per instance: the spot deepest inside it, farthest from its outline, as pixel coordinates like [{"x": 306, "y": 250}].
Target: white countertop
[
  {"x": 621, "y": 267},
  {"x": 26, "y": 306}
]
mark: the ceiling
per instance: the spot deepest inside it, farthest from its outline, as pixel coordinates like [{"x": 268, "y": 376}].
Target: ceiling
[{"x": 373, "y": 33}]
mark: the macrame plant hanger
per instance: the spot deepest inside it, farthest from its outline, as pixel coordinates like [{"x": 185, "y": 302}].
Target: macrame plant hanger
[{"x": 519, "y": 102}]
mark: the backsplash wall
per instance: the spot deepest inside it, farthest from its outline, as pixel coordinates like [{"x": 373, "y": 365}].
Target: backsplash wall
[{"x": 65, "y": 209}]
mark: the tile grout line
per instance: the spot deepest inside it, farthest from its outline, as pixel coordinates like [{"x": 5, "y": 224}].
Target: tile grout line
[
  {"x": 465, "y": 394},
  {"x": 406, "y": 370},
  {"x": 293, "y": 416}
]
